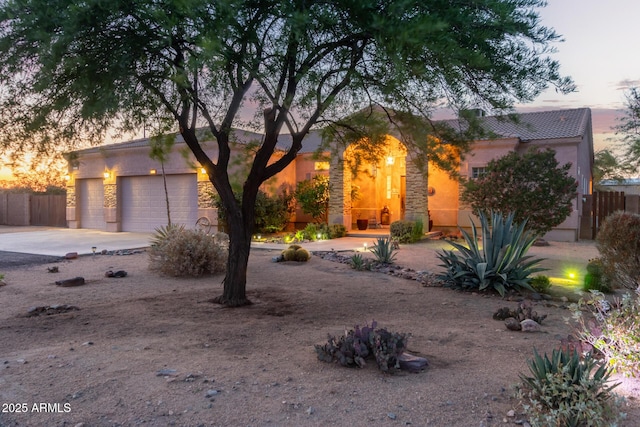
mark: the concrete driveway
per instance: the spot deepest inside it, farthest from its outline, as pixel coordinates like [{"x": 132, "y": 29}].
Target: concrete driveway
[{"x": 60, "y": 241}]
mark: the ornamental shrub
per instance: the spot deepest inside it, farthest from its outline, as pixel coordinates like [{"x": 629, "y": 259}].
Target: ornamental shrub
[
  {"x": 404, "y": 231},
  {"x": 566, "y": 390},
  {"x": 612, "y": 328},
  {"x": 532, "y": 185},
  {"x": 176, "y": 251},
  {"x": 619, "y": 244}
]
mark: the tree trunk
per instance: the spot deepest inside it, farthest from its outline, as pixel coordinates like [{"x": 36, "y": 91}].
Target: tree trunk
[{"x": 235, "y": 281}]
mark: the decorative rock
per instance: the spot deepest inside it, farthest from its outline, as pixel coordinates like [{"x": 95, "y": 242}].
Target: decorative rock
[
  {"x": 529, "y": 325},
  {"x": 212, "y": 392},
  {"x": 76, "y": 281},
  {"x": 165, "y": 372},
  {"x": 119, "y": 273},
  {"x": 511, "y": 413},
  {"x": 392, "y": 416},
  {"x": 512, "y": 324},
  {"x": 53, "y": 269},
  {"x": 3, "y": 283},
  {"x": 310, "y": 410},
  {"x": 411, "y": 363},
  {"x": 49, "y": 310},
  {"x": 71, "y": 255}
]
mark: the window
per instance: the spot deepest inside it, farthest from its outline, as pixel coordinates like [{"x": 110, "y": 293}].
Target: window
[
  {"x": 321, "y": 166},
  {"x": 478, "y": 172}
]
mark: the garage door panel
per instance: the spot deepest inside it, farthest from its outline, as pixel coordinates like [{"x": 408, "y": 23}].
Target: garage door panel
[
  {"x": 143, "y": 202},
  {"x": 91, "y": 203}
]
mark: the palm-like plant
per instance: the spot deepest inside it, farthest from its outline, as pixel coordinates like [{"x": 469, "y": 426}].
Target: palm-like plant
[{"x": 500, "y": 263}]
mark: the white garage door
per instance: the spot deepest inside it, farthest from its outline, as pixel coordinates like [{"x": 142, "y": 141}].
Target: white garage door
[
  {"x": 143, "y": 204},
  {"x": 90, "y": 201}
]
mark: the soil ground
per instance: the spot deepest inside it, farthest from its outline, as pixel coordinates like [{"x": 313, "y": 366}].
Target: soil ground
[{"x": 152, "y": 350}]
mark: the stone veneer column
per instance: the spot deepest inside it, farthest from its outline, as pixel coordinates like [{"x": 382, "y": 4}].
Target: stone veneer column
[
  {"x": 416, "y": 205},
  {"x": 71, "y": 215},
  {"x": 206, "y": 205},
  {"x": 110, "y": 204},
  {"x": 340, "y": 192}
]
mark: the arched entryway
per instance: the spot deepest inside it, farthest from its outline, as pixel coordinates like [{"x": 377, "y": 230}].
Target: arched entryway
[{"x": 381, "y": 187}]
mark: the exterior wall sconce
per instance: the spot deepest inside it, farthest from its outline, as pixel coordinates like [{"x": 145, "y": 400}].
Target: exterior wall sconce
[
  {"x": 106, "y": 174},
  {"x": 203, "y": 171},
  {"x": 153, "y": 172},
  {"x": 67, "y": 177},
  {"x": 390, "y": 160}
]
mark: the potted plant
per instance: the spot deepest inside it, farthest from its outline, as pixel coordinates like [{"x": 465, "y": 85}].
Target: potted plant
[{"x": 362, "y": 224}]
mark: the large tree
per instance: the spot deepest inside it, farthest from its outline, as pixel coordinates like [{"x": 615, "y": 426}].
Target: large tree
[
  {"x": 629, "y": 131},
  {"x": 70, "y": 71},
  {"x": 531, "y": 185}
]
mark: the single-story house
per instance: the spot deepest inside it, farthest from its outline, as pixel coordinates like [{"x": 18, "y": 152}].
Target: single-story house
[{"x": 119, "y": 187}]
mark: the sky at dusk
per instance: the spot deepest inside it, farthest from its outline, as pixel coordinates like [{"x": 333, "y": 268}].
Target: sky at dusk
[{"x": 600, "y": 51}]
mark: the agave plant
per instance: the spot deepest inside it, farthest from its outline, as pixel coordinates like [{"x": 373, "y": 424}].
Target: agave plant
[
  {"x": 500, "y": 263},
  {"x": 384, "y": 251},
  {"x": 162, "y": 233}
]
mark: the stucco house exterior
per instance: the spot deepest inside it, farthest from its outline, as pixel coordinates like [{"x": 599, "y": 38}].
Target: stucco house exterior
[{"x": 118, "y": 187}]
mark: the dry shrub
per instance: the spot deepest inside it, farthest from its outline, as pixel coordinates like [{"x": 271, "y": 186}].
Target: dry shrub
[
  {"x": 183, "y": 252},
  {"x": 619, "y": 244}
]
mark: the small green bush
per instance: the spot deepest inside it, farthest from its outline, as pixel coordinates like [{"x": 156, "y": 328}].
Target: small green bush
[
  {"x": 337, "y": 230},
  {"x": 176, "y": 252},
  {"x": 383, "y": 251},
  {"x": 540, "y": 283},
  {"x": 595, "y": 279},
  {"x": 612, "y": 328},
  {"x": 311, "y": 232},
  {"x": 406, "y": 231},
  {"x": 619, "y": 244},
  {"x": 565, "y": 391}
]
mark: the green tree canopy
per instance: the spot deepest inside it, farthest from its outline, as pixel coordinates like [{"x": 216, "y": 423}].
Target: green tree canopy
[
  {"x": 532, "y": 185},
  {"x": 71, "y": 71},
  {"x": 629, "y": 130}
]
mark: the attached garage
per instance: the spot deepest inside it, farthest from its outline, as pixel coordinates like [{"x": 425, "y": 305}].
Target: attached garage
[
  {"x": 143, "y": 202},
  {"x": 91, "y": 203}
]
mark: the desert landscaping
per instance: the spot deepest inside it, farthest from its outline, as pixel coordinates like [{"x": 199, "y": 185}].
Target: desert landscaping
[{"x": 147, "y": 349}]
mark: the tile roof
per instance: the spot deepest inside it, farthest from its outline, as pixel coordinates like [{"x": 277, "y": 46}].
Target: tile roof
[{"x": 554, "y": 124}]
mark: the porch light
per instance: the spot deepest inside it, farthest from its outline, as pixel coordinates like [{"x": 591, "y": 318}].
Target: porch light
[
  {"x": 391, "y": 160},
  {"x": 67, "y": 177},
  {"x": 106, "y": 174},
  {"x": 203, "y": 171}
]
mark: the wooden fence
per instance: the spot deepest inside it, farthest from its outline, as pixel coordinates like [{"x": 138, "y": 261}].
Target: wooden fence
[
  {"x": 49, "y": 210},
  {"x": 33, "y": 209},
  {"x": 601, "y": 204}
]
